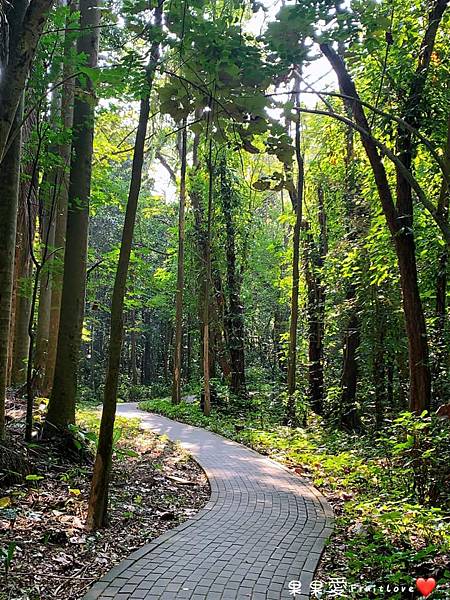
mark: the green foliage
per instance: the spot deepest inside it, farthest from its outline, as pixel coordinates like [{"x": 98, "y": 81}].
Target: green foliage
[
  {"x": 86, "y": 432},
  {"x": 6, "y": 557},
  {"x": 420, "y": 457}
]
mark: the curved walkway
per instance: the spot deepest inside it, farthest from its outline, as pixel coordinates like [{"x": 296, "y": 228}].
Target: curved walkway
[{"x": 262, "y": 528}]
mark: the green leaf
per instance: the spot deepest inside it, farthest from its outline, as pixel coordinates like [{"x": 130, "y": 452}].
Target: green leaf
[{"x": 34, "y": 477}]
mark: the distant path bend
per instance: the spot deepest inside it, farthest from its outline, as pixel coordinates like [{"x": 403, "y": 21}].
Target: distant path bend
[{"x": 262, "y": 528}]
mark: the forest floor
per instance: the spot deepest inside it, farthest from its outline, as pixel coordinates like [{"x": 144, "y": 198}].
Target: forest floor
[
  {"x": 155, "y": 486},
  {"x": 384, "y": 539}
]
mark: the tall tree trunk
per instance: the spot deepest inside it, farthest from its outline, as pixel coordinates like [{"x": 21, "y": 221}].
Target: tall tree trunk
[
  {"x": 316, "y": 309},
  {"x": 418, "y": 356},
  {"x": 235, "y": 316},
  {"x": 177, "y": 357},
  {"x": 98, "y": 500},
  {"x": 279, "y": 327},
  {"x": 11, "y": 110},
  {"x": 26, "y": 22},
  {"x": 205, "y": 274},
  {"x": 61, "y": 408},
  {"x": 207, "y": 293},
  {"x": 297, "y": 203},
  {"x": 9, "y": 192},
  {"x": 47, "y": 234},
  {"x": 23, "y": 271},
  {"x": 188, "y": 362},
  {"x": 349, "y": 410},
  {"x": 64, "y": 151}
]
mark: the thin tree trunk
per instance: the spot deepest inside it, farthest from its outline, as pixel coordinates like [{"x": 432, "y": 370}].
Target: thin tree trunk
[
  {"x": 98, "y": 500},
  {"x": 11, "y": 110},
  {"x": 147, "y": 365},
  {"x": 177, "y": 358},
  {"x": 45, "y": 281},
  {"x": 316, "y": 309},
  {"x": 21, "y": 319},
  {"x": 61, "y": 408},
  {"x": 279, "y": 325},
  {"x": 297, "y": 203},
  {"x": 189, "y": 353},
  {"x": 203, "y": 244},
  {"x": 220, "y": 327},
  {"x": 133, "y": 350},
  {"x": 207, "y": 293},
  {"x": 64, "y": 151},
  {"x": 9, "y": 193},
  {"x": 349, "y": 411},
  {"x": 235, "y": 317},
  {"x": 23, "y": 273},
  {"x": 379, "y": 364}
]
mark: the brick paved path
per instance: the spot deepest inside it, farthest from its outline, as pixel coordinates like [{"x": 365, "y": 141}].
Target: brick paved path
[{"x": 262, "y": 528}]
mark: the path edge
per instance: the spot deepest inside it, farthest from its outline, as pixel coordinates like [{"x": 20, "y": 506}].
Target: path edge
[{"x": 99, "y": 586}]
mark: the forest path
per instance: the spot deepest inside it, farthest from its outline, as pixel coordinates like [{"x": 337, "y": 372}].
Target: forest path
[{"x": 262, "y": 528}]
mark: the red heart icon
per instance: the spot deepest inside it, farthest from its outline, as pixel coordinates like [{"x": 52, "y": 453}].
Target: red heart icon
[{"x": 425, "y": 586}]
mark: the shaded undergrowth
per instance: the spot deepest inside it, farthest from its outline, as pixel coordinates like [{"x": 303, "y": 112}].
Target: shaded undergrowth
[{"x": 389, "y": 490}]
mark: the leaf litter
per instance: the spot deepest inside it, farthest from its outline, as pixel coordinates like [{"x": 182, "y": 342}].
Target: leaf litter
[{"x": 155, "y": 486}]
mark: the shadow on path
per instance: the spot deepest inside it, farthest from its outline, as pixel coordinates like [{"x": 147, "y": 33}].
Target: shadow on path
[{"x": 262, "y": 528}]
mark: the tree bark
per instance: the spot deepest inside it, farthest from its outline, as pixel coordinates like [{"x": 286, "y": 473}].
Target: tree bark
[
  {"x": 178, "y": 358},
  {"x": 235, "y": 313},
  {"x": 26, "y": 25},
  {"x": 47, "y": 234},
  {"x": 352, "y": 339},
  {"x": 147, "y": 356},
  {"x": 349, "y": 410},
  {"x": 205, "y": 274},
  {"x": 297, "y": 204},
  {"x": 207, "y": 293},
  {"x": 316, "y": 309},
  {"x": 61, "y": 408},
  {"x": 9, "y": 191},
  {"x": 133, "y": 350},
  {"x": 11, "y": 110},
  {"x": 21, "y": 318},
  {"x": 98, "y": 500},
  {"x": 20, "y": 312},
  {"x": 64, "y": 151}
]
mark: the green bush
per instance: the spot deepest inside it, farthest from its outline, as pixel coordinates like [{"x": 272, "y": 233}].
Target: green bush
[{"x": 418, "y": 451}]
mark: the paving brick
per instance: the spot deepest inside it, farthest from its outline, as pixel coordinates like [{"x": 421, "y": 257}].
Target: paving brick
[{"x": 261, "y": 524}]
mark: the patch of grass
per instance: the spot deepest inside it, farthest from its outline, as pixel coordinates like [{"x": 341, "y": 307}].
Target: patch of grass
[{"x": 383, "y": 534}]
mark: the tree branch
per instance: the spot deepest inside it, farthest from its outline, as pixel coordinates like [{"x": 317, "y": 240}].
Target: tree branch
[
  {"x": 433, "y": 210},
  {"x": 162, "y": 159}
]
